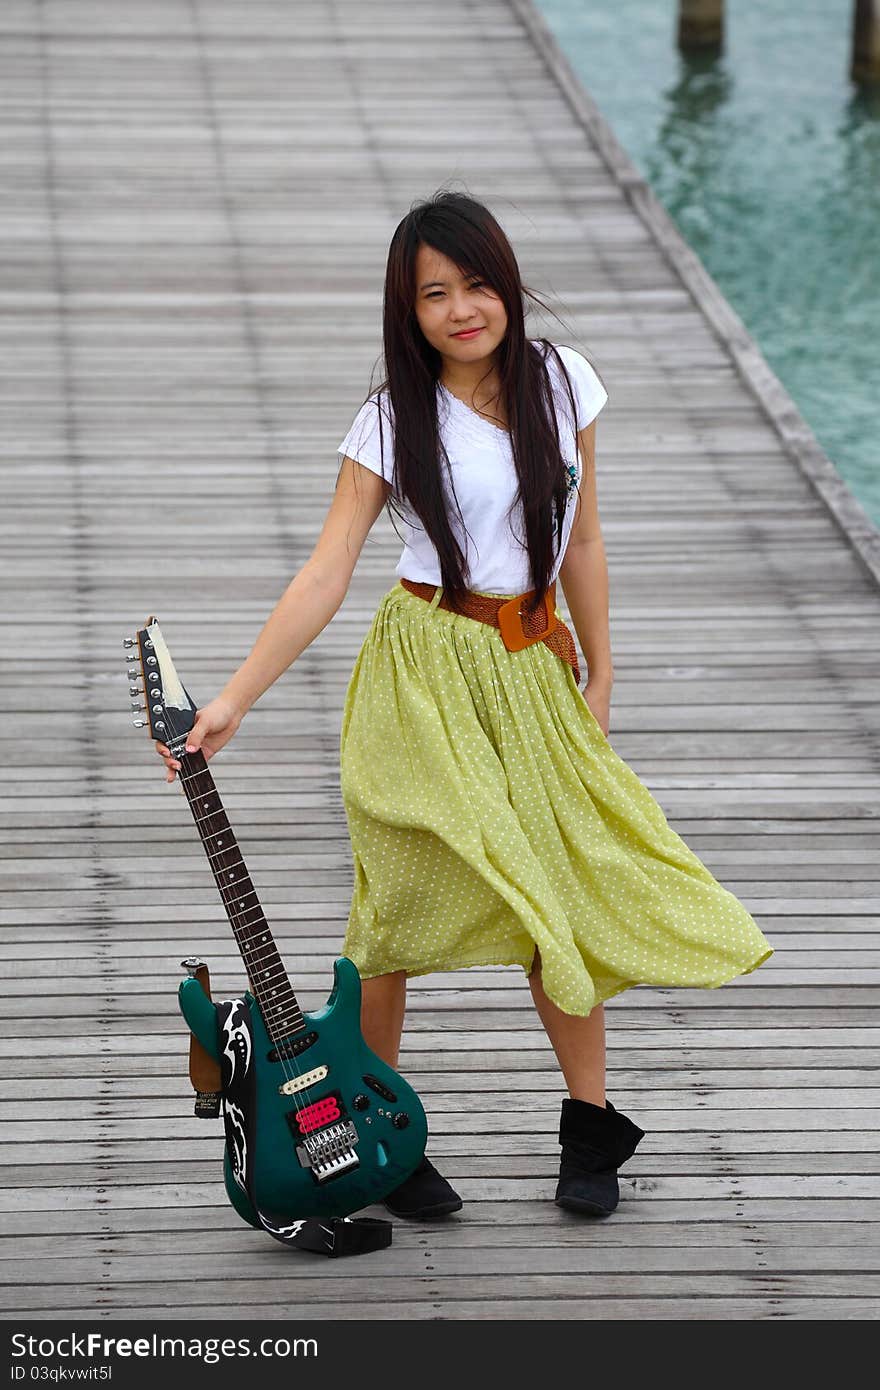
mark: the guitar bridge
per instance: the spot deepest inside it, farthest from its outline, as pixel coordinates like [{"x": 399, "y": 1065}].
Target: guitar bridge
[{"x": 329, "y": 1152}]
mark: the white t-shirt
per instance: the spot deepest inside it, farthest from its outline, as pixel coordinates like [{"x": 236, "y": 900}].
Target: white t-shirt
[{"x": 485, "y": 480}]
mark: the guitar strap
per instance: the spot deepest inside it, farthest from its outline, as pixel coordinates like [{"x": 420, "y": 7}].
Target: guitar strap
[
  {"x": 334, "y": 1236},
  {"x": 204, "y": 1070}
]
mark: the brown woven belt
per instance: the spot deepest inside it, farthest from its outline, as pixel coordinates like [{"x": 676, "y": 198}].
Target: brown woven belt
[{"x": 518, "y": 629}]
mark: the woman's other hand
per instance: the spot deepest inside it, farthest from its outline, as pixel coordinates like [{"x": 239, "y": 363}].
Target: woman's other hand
[
  {"x": 597, "y": 694},
  {"x": 215, "y": 724}
]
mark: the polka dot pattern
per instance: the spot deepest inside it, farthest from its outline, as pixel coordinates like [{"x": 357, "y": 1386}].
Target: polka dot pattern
[{"x": 489, "y": 815}]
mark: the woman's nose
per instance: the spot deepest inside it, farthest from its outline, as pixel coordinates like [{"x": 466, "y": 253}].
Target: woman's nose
[{"x": 462, "y": 311}]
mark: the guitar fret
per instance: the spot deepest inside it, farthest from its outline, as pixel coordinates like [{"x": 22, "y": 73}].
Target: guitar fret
[
  {"x": 256, "y": 951},
  {"x": 273, "y": 996},
  {"x": 271, "y": 988},
  {"x": 275, "y": 1002},
  {"x": 279, "y": 1026},
  {"x": 202, "y": 803},
  {"x": 240, "y": 897},
  {"x": 246, "y": 932},
  {"x": 218, "y": 856},
  {"x": 229, "y": 876},
  {"x": 250, "y": 929},
  {"x": 219, "y": 828},
  {"x": 241, "y": 884}
]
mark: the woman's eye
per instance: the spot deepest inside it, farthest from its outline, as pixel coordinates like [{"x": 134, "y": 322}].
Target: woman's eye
[{"x": 476, "y": 285}]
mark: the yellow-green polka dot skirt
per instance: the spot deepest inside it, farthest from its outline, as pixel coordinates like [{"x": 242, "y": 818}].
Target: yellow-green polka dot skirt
[{"x": 489, "y": 815}]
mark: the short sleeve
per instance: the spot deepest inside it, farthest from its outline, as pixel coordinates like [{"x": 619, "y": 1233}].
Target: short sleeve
[
  {"x": 370, "y": 441},
  {"x": 589, "y": 393}
]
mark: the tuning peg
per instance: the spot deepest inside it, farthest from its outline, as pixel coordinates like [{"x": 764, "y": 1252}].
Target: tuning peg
[
  {"x": 135, "y": 690},
  {"x": 133, "y": 660},
  {"x": 129, "y": 642},
  {"x": 138, "y": 709},
  {"x": 139, "y": 723}
]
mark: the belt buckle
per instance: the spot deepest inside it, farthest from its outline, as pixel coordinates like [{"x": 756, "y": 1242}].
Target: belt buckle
[{"x": 510, "y": 621}]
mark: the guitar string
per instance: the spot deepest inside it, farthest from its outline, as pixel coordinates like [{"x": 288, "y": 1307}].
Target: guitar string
[
  {"x": 258, "y": 948},
  {"x": 235, "y": 918}
]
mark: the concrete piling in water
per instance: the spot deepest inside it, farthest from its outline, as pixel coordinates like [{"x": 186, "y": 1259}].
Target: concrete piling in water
[
  {"x": 700, "y": 24},
  {"x": 865, "y": 66}
]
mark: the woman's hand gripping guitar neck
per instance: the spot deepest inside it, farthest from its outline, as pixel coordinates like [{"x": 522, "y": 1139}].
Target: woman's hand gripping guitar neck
[{"x": 215, "y": 724}]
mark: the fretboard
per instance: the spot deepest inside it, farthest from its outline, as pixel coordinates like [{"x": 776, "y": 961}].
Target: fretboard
[{"x": 268, "y": 978}]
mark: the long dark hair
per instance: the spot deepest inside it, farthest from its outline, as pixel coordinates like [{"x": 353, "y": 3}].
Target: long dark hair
[{"x": 462, "y": 229}]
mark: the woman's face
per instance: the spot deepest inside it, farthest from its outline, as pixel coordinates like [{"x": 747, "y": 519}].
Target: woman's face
[{"x": 448, "y": 303}]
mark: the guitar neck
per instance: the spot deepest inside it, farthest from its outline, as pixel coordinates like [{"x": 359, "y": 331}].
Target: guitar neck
[{"x": 268, "y": 978}]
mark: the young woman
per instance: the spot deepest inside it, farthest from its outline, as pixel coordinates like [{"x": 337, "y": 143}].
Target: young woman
[{"x": 491, "y": 822}]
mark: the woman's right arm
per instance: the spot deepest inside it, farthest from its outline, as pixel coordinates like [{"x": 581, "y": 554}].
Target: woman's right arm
[{"x": 304, "y": 609}]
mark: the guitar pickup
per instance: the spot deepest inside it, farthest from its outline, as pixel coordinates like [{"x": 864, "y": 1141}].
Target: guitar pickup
[
  {"x": 293, "y": 1048},
  {"x": 321, "y": 1113},
  {"x": 301, "y": 1083}
]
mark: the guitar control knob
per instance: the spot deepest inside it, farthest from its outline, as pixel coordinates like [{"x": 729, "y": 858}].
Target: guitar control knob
[
  {"x": 361, "y": 1102},
  {"x": 400, "y": 1120}
]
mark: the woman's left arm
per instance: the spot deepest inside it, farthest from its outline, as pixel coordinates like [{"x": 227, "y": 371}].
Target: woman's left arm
[{"x": 584, "y": 578}]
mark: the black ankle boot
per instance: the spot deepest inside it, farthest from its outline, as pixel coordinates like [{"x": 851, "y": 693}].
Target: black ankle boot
[
  {"x": 595, "y": 1142},
  {"x": 423, "y": 1195}
]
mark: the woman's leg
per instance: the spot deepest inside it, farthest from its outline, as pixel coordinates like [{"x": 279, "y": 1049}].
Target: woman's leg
[
  {"x": 425, "y": 1194},
  {"x": 383, "y": 1005},
  {"x": 595, "y": 1137},
  {"x": 579, "y": 1043}
]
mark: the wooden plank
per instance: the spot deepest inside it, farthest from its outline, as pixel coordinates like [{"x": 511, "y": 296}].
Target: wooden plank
[
  {"x": 538, "y": 1308},
  {"x": 431, "y": 1073},
  {"x": 689, "y": 1237},
  {"x": 348, "y": 1289}
]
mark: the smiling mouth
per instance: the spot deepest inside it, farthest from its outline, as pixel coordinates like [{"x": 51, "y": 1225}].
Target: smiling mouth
[{"x": 466, "y": 332}]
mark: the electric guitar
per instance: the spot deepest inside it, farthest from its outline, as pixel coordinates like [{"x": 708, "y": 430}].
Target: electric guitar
[{"x": 335, "y": 1127}]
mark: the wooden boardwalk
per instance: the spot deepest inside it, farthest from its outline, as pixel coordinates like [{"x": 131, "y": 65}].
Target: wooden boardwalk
[{"x": 198, "y": 202}]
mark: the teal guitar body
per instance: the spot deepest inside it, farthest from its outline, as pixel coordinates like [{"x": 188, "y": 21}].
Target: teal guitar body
[{"x": 383, "y": 1114}]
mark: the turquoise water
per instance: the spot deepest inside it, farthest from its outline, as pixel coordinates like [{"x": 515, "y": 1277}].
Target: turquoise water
[{"x": 768, "y": 160}]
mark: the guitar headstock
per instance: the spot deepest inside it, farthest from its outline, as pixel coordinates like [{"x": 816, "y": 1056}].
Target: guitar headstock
[{"x": 170, "y": 711}]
